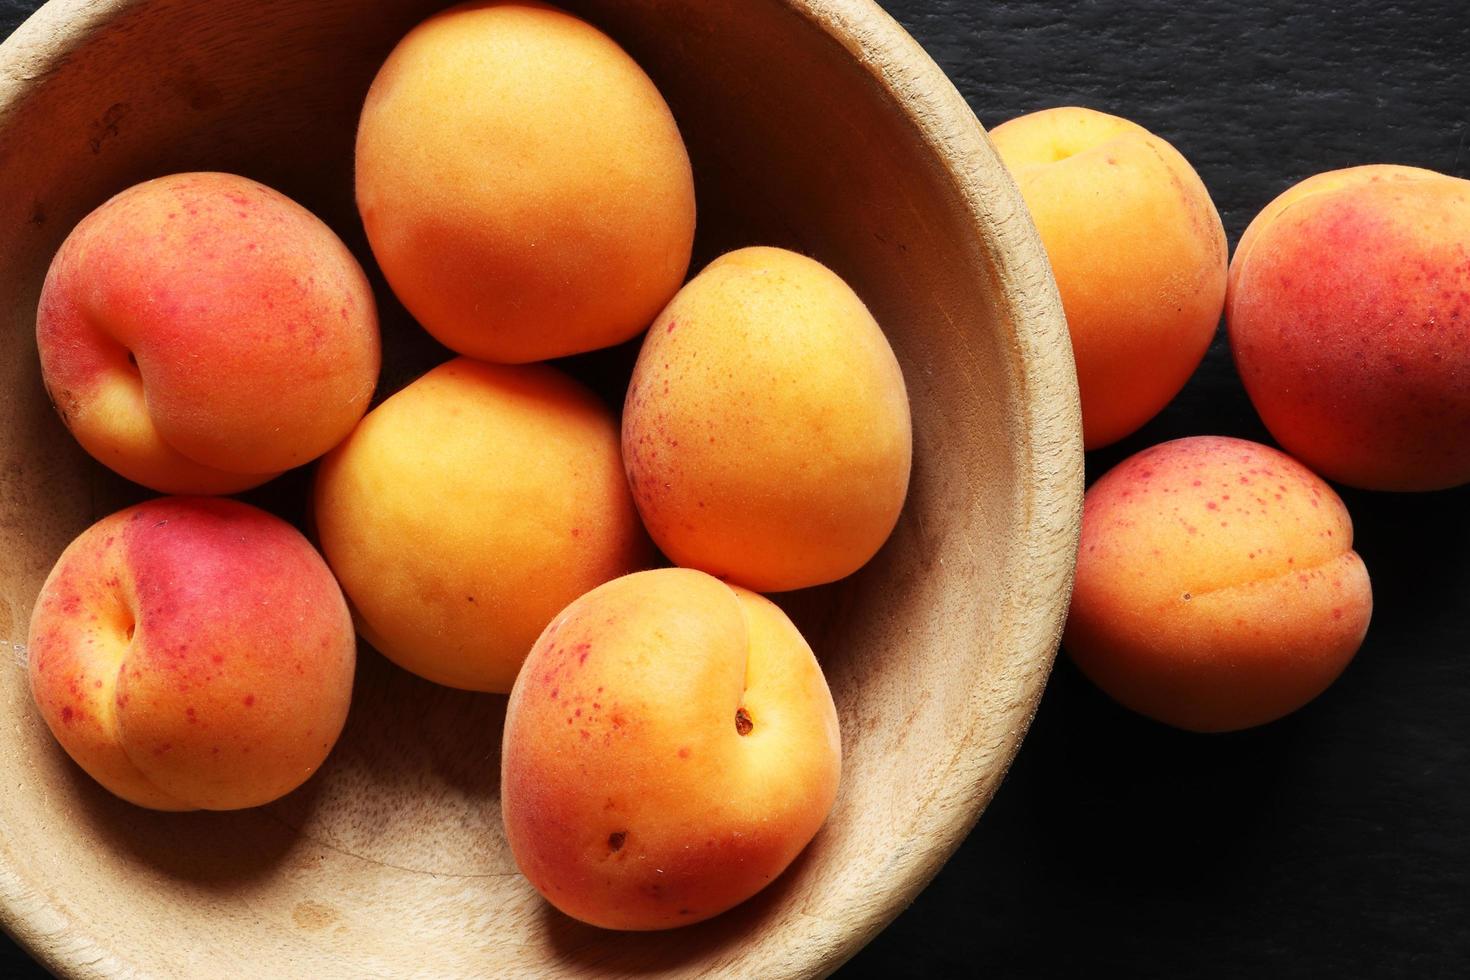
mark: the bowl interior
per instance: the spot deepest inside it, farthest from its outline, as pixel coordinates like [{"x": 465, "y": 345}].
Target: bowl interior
[{"x": 817, "y": 126}]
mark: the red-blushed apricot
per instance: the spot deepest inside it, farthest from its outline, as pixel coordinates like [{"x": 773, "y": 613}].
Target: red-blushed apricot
[
  {"x": 523, "y": 184},
  {"x": 200, "y": 333},
  {"x": 193, "y": 653},
  {"x": 468, "y": 509},
  {"x": 670, "y": 747},
  {"x": 766, "y": 430},
  {"x": 1349, "y": 318},
  {"x": 1138, "y": 252},
  {"x": 1216, "y": 585}
]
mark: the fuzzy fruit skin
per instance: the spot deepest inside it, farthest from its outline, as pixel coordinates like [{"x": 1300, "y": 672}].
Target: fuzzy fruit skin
[
  {"x": 523, "y": 184},
  {"x": 1216, "y": 585},
  {"x": 766, "y": 429},
  {"x": 634, "y": 797},
  {"x": 470, "y": 508},
  {"x": 193, "y": 653},
  {"x": 200, "y": 333},
  {"x": 1138, "y": 252},
  {"x": 1349, "y": 319}
]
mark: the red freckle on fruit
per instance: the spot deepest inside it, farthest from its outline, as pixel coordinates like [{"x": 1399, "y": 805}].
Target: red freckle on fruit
[
  {"x": 97, "y": 683},
  {"x": 672, "y": 325},
  {"x": 66, "y": 714},
  {"x": 554, "y": 692},
  {"x": 217, "y": 658},
  {"x": 1197, "y": 483},
  {"x": 1337, "y": 614},
  {"x": 163, "y": 748},
  {"x": 577, "y": 713},
  {"x": 1212, "y": 505},
  {"x": 586, "y": 735},
  {"x": 597, "y": 705},
  {"x": 249, "y": 700},
  {"x": 1191, "y": 529},
  {"x": 684, "y": 752}
]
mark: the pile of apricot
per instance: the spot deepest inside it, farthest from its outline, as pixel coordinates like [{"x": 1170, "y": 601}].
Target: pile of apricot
[
  {"x": 670, "y": 743},
  {"x": 1216, "y": 583}
]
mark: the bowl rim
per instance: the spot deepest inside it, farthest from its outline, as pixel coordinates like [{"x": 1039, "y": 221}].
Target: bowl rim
[{"x": 1050, "y": 454}]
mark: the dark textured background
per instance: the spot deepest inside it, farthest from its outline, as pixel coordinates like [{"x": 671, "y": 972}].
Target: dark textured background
[{"x": 1335, "y": 842}]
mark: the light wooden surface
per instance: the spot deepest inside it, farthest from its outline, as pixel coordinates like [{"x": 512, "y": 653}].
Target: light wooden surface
[{"x": 815, "y": 125}]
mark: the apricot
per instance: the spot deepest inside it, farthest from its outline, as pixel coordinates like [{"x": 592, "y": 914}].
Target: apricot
[
  {"x": 193, "y": 653},
  {"x": 523, "y": 184},
  {"x": 468, "y": 509},
  {"x": 200, "y": 333},
  {"x": 670, "y": 747},
  {"x": 1216, "y": 585},
  {"x": 1138, "y": 252},
  {"x": 766, "y": 429},
  {"x": 1349, "y": 317}
]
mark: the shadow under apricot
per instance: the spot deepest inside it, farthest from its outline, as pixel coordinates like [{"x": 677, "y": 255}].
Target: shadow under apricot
[{"x": 215, "y": 849}]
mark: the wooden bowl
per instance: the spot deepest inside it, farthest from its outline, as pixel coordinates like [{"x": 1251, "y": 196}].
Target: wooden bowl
[{"x": 815, "y": 124}]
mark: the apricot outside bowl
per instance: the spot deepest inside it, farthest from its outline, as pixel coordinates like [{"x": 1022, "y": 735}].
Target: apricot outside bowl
[{"x": 818, "y": 125}]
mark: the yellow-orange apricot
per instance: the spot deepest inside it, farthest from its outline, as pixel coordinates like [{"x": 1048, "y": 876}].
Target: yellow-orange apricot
[
  {"x": 1138, "y": 252},
  {"x": 470, "y": 507},
  {"x": 1217, "y": 587},
  {"x": 523, "y": 184},
  {"x": 766, "y": 430},
  {"x": 670, "y": 747}
]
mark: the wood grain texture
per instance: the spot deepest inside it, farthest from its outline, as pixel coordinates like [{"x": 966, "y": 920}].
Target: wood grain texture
[{"x": 818, "y": 126}]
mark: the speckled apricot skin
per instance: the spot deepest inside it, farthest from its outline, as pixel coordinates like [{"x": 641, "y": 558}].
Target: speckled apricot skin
[
  {"x": 1138, "y": 252},
  {"x": 468, "y": 509},
  {"x": 766, "y": 429},
  {"x": 1216, "y": 586},
  {"x": 634, "y": 796},
  {"x": 200, "y": 333},
  {"x": 193, "y": 653},
  {"x": 523, "y": 184},
  {"x": 1349, "y": 318}
]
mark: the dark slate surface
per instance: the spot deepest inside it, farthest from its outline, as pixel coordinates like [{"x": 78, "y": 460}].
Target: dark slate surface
[{"x": 1335, "y": 842}]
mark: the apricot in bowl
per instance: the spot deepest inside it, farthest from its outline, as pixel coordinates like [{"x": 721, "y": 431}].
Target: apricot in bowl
[{"x": 935, "y": 652}]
